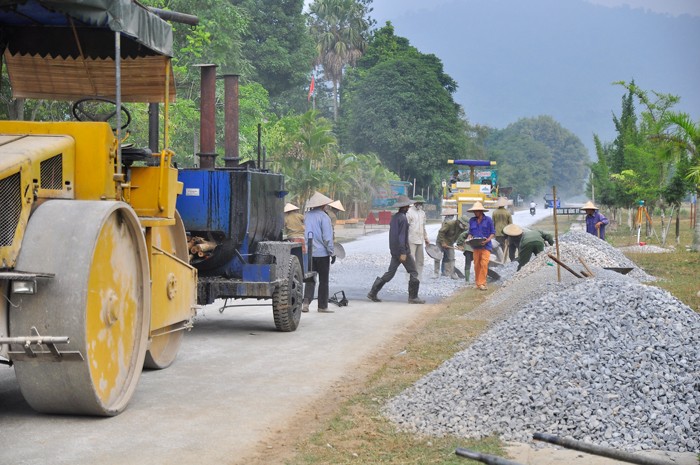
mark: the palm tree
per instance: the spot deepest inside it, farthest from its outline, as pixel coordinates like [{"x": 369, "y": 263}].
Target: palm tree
[
  {"x": 684, "y": 133},
  {"x": 339, "y": 28}
]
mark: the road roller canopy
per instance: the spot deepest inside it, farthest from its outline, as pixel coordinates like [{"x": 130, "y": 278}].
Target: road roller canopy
[{"x": 65, "y": 49}]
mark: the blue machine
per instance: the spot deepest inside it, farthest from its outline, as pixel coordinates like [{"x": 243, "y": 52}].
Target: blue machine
[{"x": 238, "y": 212}]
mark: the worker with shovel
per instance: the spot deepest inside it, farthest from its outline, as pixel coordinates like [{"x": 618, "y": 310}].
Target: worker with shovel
[{"x": 531, "y": 242}]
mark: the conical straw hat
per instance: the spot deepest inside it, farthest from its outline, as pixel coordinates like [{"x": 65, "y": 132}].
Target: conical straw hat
[
  {"x": 290, "y": 207},
  {"x": 589, "y": 206},
  {"x": 502, "y": 202},
  {"x": 512, "y": 230},
  {"x": 477, "y": 207},
  {"x": 337, "y": 205},
  {"x": 318, "y": 200}
]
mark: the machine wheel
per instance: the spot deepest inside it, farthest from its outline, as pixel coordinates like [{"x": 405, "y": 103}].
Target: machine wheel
[
  {"x": 288, "y": 297},
  {"x": 99, "y": 298},
  {"x": 163, "y": 348}
]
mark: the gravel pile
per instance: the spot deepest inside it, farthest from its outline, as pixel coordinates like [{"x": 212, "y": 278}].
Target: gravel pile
[
  {"x": 608, "y": 361},
  {"x": 595, "y": 252}
]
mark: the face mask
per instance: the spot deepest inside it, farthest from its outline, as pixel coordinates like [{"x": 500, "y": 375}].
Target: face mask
[{"x": 419, "y": 207}]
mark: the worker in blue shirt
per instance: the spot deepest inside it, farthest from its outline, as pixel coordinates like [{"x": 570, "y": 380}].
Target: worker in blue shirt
[
  {"x": 595, "y": 221},
  {"x": 481, "y": 226},
  {"x": 317, "y": 225}
]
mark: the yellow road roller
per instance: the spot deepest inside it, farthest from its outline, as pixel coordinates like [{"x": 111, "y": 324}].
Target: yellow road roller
[{"x": 95, "y": 282}]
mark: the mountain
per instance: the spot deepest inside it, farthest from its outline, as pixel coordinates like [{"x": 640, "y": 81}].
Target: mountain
[{"x": 515, "y": 58}]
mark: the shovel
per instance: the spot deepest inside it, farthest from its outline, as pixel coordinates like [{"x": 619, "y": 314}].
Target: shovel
[{"x": 339, "y": 250}]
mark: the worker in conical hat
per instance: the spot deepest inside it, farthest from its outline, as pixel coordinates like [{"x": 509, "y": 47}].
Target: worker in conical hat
[
  {"x": 294, "y": 225},
  {"x": 501, "y": 218},
  {"x": 317, "y": 226},
  {"x": 400, "y": 255},
  {"x": 481, "y": 227},
  {"x": 595, "y": 221}
]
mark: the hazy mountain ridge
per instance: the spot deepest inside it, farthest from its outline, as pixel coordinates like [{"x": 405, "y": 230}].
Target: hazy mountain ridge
[{"x": 516, "y": 59}]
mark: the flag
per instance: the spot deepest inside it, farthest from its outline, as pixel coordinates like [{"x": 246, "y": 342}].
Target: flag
[{"x": 311, "y": 88}]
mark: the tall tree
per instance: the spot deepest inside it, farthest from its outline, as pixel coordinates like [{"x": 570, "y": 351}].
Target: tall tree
[
  {"x": 684, "y": 133},
  {"x": 412, "y": 124},
  {"x": 279, "y": 48},
  {"x": 340, "y": 29}
]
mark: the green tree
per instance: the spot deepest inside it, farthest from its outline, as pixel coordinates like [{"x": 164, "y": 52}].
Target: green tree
[
  {"x": 278, "y": 45},
  {"x": 681, "y": 131},
  {"x": 340, "y": 29},
  {"x": 534, "y": 154}
]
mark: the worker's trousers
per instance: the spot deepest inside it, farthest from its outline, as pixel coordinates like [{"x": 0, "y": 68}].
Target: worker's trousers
[
  {"x": 417, "y": 254},
  {"x": 481, "y": 266}
]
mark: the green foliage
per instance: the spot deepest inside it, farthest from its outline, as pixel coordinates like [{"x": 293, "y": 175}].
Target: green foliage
[
  {"x": 412, "y": 123},
  {"x": 651, "y": 155},
  {"x": 305, "y": 149},
  {"x": 279, "y": 47},
  {"x": 340, "y": 29},
  {"x": 534, "y": 154}
]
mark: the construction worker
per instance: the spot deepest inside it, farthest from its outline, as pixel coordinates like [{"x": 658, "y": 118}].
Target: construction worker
[
  {"x": 595, "y": 221},
  {"x": 531, "y": 242},
  {"x": 417, "y": 235},
  {"x": 332, "y": 211},
  {"x": 481, "y": 227},
  {"x": 501, "y": 218},
  {"x": 317, "y": 225},
  {"x": 294, "y": 225},
  {"x": 400, "y": 255},
  {"x": 447, "y": 236}
]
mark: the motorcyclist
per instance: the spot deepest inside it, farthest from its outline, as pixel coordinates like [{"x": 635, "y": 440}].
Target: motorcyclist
[{"x": 532, "y": 207}]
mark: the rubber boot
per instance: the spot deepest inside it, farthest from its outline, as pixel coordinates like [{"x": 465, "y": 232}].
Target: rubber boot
[
  {"x": 413, "y": 293},
  {"x": 450, "y": 270},
  {"x": 466, "y": 273},
  {"x": 376, "y": 287}
]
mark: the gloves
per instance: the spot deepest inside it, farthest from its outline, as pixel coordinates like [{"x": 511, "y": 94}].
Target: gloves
[
  {"x": 332, "y": 259},
  {"x": 402, "y": 258}
]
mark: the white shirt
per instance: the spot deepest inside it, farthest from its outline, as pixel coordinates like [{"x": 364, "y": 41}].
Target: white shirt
[
  {"x": 416, "y": 225},
  {"x": 533, "y": 204}
]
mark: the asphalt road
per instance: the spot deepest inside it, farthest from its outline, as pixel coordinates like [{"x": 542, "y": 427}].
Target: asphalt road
[{"x": 236, "y": 381}]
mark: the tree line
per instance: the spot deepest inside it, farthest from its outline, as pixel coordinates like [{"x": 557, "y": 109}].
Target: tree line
[{"x": 383, "y": 110}]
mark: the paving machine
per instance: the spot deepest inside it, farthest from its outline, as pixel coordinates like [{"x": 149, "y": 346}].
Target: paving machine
[
  {"x": 95, "y": 281},
  {"x": 472, "y": 181}
]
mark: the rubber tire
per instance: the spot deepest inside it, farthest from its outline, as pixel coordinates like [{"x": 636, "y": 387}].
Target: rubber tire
[
  {"x": 288, "y": 298},
  {"x": 163, "y": 349},
  {"x": 99, "y": 298}
]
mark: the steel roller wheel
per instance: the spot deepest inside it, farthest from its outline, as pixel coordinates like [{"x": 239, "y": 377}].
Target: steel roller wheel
[
  {"x": 288, "y": 298},
  {"x": 99, "y": 298},
  {"x": 164, "y": 347}
]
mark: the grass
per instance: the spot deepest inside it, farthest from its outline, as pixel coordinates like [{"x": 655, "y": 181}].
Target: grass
[{"x": 358, "y": 433}]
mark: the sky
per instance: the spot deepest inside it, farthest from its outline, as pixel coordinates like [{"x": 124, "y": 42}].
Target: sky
[
  {"x": 672, "y": 7},
  {"x": 516, "y": 59}
]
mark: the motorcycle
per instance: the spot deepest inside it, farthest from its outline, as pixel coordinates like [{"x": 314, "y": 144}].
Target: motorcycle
[{"x": 532, "y": 211}]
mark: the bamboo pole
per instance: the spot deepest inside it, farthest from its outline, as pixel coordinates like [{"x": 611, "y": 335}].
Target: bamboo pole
[{"x": 556, "y": 232}]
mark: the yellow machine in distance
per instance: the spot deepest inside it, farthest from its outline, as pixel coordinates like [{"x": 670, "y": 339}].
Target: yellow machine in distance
[{"x": 471, "y": 181}]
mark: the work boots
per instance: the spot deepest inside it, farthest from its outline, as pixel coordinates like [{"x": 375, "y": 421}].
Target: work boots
[
  {"x": 376, "y": 287},
  {"x": 450, "y": 269},
  {"x": 413, "y": 293}
]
